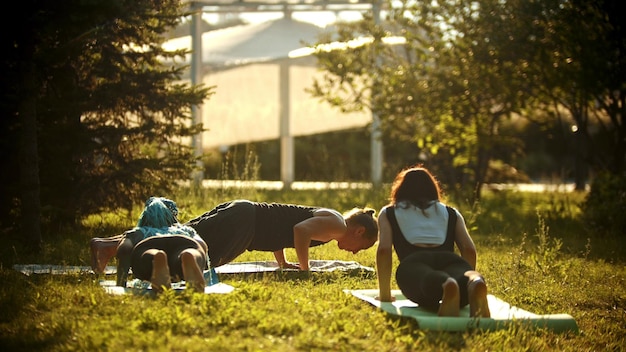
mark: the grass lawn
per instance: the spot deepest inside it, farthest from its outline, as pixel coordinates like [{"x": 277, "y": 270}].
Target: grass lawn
[{"x": 532, "y": 248}]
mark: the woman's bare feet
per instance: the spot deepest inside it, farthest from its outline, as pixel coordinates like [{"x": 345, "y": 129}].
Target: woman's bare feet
[
  {"x": 449, "y": 306},
  {"x": 192, "y": 273},
  {"x": 160, "y": 279},
  {"x": 102, "y": 250},
  {"x": 477, "y": 293}
]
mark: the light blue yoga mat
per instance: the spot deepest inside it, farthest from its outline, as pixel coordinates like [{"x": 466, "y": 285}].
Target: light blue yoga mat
[
  {"x": 502, "y": 315},
  {"x": 139, "y": 287},
  {"x": 135, "y": 286}
]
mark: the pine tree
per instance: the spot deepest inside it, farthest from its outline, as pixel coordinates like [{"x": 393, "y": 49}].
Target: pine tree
[{"x": 111, "y": 115}]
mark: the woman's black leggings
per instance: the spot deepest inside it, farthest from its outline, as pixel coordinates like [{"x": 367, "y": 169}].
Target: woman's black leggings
[
  {"x": 172, "y": 245},
  {"x": 421, "y": 274}
]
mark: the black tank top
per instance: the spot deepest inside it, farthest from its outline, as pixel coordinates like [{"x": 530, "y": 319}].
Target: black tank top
[
  {"x": 403, "y": 247},
  {"x": 274, "y": 225}
]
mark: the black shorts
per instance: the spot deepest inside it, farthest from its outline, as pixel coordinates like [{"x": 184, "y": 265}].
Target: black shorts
[{"x": 172, "y": 245}]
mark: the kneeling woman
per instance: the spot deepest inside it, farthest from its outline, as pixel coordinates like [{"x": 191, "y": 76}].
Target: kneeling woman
[
  {"x": 160, "y": 250},
  {"x": 423, "y": 232}
]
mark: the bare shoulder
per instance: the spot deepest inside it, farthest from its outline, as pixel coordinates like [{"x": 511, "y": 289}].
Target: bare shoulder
[
  {"x": 459, "y": 216},
  {"x": 328, "y": 213},
  {"x": 328, "y": 220}
]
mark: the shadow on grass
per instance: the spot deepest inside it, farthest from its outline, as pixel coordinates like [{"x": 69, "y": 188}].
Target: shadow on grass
[
  {"x": 20, "y": 299},
  {"x": 18, "y": 292}
]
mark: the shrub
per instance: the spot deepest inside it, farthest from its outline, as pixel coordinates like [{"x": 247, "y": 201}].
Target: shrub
[{"x": 605, "y": 205}]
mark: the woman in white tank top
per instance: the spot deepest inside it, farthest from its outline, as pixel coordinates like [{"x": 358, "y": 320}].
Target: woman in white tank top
[{"x": 423, "y": 232}]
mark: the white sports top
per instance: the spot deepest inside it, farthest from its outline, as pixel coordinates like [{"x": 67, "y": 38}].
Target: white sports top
[{"x": 420, "y": 229}]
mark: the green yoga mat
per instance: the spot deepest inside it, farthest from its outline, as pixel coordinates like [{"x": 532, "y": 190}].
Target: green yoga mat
[{"x": 502, "y": 315}]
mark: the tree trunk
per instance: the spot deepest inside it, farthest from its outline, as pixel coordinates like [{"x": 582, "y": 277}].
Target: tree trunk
[{"x": 29, "y": 159}]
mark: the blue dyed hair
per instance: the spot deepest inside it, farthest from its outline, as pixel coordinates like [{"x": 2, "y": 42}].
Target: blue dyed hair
[
  {"x": 158, "y": 213},
  {"x": 170, "y": 204}
]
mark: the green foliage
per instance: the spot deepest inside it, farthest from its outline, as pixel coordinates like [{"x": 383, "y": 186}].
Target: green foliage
[
  {"x": 444, "y": 92},
  {"x": 605, "y": 205},
  {"x": 557, "y": 269},
  {"x": 468, "y": 68},
  {"x": 580, "y": 63},
  {"x": 545, "y": 258},
  {"x": 113, "y": 122}
]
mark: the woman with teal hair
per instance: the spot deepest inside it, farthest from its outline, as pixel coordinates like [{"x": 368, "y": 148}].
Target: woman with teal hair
[{"x": 160, "y": 249}]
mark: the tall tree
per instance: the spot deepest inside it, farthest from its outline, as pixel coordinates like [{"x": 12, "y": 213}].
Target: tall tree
[
  {"x": 467, "y": 67},
  {"x": 578, "y": 69},
  {"x": 443, "y": 87},
  {"x": 113, "y": 119}
]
